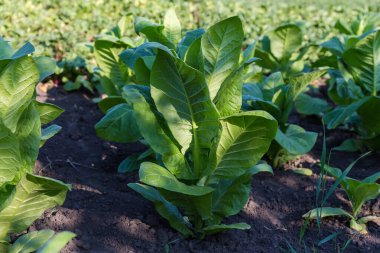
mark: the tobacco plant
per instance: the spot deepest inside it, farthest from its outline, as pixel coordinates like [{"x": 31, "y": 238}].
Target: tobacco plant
[
  {"x": 355, "y": 88},
  {"x": 277, "y": 97},
  {"x": 206, "y": 161},
  {"x": 23, "y": 195},
  {"x": 186, "y": 108},
  {"x": 357, "y": 191},
  {"x": 282, "y": 50}
]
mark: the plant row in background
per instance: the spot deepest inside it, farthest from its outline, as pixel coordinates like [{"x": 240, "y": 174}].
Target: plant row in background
[
  {"x": 66, "y": 28},
  {"x": 24, "y": 196},
  {"x": 209, "y": 111}
]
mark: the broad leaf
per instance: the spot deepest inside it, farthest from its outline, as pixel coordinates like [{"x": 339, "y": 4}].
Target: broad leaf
[
  {"x": 189, "y": 38},
  {"x": 17, "y": 84},
  {"x": 48, "y": 112},
  {"x": 228, "y": 99},
  {"x": 107, "y": 57},
  {"x": 364, "y": 62},
  {"x": 296, "y": 140},
  {"x": 369, "y": 113},
  {"x": 164, "y": 208},
  {"x": 34, "y": 194},
  {"x": 221, "y": 48},
  {"x": 147, "y": 119},
  {"x": 46, "y": 66},
  {"x": 284, "y": 40},
  {"x": 56, "y": 243},
  {"x": 109, "y": 102},
  {"x": 299, "y": 83},
  {"x": 340, "y": 114},
  {"x": 157, "y": 176},
  {"x": 245, "y": 138},
  {"x": 172, "y": 26},
  {"x": 118, "y": 125},
  {"x": 271, "y": 85},
  {"x": 195, "y": 200},
  {"x": 349, "y": 145},
  {"x": 31, "y": 241},
  {"x": 129, "y": 164},
  {"x": 231, "y": 195},
  {"x": 363, "y": 193},
  {"x": 181, "y": 95},
  {"x": 308, "y": 105},
  {"x": 10, "y": 160}
]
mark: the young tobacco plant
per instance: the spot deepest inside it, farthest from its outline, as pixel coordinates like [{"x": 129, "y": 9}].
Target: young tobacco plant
[
  {"x": 277, "y": 97},
  {"x": 205, "y": 160},
  {"x": 358, "y": 192},
  {"x": 187, "y": 110},
  {"x": 23, "y": 195},
  {"x": 355, "y": 89},
  {"x": 282, "y": 50}
]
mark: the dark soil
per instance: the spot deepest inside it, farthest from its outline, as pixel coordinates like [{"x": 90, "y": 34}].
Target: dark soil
[{"x": 107, "y": 216}]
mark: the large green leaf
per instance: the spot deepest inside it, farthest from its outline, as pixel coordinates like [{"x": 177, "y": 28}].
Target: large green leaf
[
  {"x": 363, "y": 193},
  {"x": 364, "y": 62},
  {"x": 10, "y": 160},
  {"x": 28, "y": 133},
  {"x": 107, "y": 57},
  {"x": 17, "y": 83},
  {"x": 157, "y": 176},
  {"x": 109, "y": 102},
  {"x": 231, "y": 195},
  {"x": 340, "y": 114},
  {"x": 56, "y": 243},
  {"x": 245, "y": 138},
  {"x": 181, "y": 95},
  {"x": 369, "y": 113},
  {"x": 31, "y": 242},
  {"x": 285, "y": 40},
  {"x": 46, "y": 66},
  {"x": 187, "y": 40},
  {"x": 172, "y": 26},
  {"x": 299, "y": 83},
  {"x": 296, "y": 140},
  {"x": 229, "y": 97},
  {"x": 118, "y": 125},
  {"x": 308, "y": 105},
  {"x": 43, "y": 241},
  {"x": 334, "y": 45},
  {"x": 193, "y": 56},
  {"x": 271, "y": 85},
  {"x": 221, "y": 48},
  {"x": 193, "y": 199},
  {"x": 166, "y": 209},
  {"x": 33, "y": 195},
  {"x": 156, "y": 134},
  {"x": 48, "y": 112}
]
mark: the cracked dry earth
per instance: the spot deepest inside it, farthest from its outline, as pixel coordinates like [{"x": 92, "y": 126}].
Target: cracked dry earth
[{"x": 108, "y": 217}]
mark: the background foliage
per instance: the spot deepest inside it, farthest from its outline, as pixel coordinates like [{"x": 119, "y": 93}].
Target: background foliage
[{"x": 60, "y": 28}]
